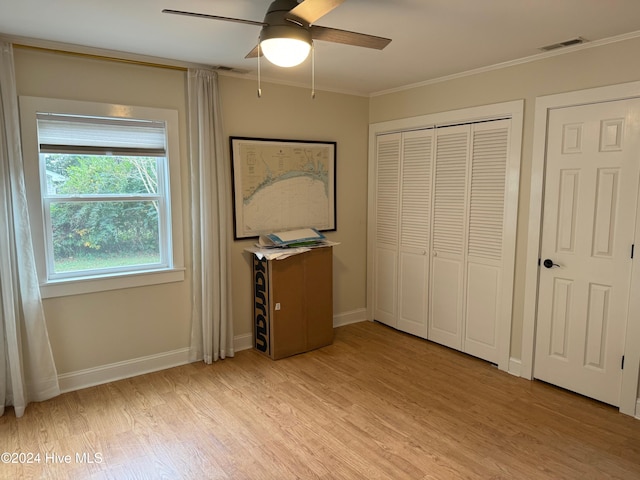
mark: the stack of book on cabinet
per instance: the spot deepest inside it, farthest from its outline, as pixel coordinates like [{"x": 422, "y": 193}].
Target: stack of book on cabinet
[{"x": 280, "y": 245}]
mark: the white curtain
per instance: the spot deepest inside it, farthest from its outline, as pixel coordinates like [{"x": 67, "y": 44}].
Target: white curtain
[
  {"x": 212, "y": 320},
  {"x": 27, "y": 370}
]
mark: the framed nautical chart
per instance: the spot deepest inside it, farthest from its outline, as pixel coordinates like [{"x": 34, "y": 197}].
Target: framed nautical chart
[{"x": 282, "y": 184}]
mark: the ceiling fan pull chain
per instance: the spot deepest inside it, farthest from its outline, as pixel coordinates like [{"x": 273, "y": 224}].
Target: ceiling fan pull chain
[
  {"x": 259, "y": 89},
  {"x": 313, "y": 71}
]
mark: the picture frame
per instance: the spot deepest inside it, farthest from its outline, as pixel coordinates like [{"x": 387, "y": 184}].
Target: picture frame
[{"x": 282, "y": 185}]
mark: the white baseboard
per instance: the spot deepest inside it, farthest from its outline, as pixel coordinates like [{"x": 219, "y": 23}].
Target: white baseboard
[
  {"x": 138, "y": 366},
  {"x": 638, "y": 409},
  {"x": 515, "y": 367},
  {"x": 153, "y": 363},
  {"x": 243, "y": 342},
  {"x": 347, "y": 318},
  {"x": 120, "y": 370}
]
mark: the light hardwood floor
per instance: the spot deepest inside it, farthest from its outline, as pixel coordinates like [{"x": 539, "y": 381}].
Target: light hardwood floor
[{"x": 377, "y": 404}]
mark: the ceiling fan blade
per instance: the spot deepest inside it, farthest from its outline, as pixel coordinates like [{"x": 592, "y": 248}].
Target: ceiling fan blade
[
  {"x": 348, "y": 38},
  {"x": 254, "y": 53},
  {"x": 213, "y": 17},
  {"x": 312, "y": 10}
]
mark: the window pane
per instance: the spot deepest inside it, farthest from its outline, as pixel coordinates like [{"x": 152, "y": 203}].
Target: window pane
[
  {"x": 69, "y": 174},
  {"x": 104, "y": 234}
]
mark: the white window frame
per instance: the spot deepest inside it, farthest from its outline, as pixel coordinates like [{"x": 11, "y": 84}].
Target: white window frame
[{"x": 171, "y": 266}]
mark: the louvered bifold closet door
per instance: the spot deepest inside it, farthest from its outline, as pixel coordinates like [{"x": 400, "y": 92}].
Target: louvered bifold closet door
[
  {"x": 449, "y": 229},
  {"x": 489, "y": 155},
  {"x": 387, "y": 202},
  {"x": 415, "y": 220}
]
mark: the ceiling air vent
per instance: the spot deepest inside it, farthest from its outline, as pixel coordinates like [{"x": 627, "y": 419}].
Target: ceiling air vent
[
  {"x": 566, "y": 43},
  {"x": 222, "y": 68}
]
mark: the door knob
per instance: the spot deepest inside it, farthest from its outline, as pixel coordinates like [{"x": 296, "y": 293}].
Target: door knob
[{"x": 549, "y": 263}]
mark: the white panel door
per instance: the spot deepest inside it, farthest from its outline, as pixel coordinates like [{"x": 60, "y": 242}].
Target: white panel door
[
  {"x": 484, "y": 282},
  {"x": 591, "y": 187},
  {"x": 449, "y": 232},
  {"x": 386, "y": 216},
  {"x": 415, "y": 220}
]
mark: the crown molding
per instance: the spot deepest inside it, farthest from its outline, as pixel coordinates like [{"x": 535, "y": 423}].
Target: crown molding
[{"x": 512, "y": 63}]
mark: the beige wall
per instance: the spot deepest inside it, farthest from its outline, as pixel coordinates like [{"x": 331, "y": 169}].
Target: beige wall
[
  {"x": 101, "y": 328},
  {"x": 593, "y": 67},
  {"x": 290, "y": 113},
  {"x": 97, "y": 329}
]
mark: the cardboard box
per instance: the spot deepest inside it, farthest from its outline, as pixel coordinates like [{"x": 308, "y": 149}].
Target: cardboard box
[{"x": 293, "y": 303}]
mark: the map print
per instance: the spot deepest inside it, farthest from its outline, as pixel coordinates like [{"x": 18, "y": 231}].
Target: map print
[{"x": 283, "y": 185}]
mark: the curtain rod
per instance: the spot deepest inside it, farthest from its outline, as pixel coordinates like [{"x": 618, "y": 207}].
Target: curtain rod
[{"x": 102, "y": 57}]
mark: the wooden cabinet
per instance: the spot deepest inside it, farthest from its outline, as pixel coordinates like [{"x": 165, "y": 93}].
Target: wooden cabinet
[{"x": 293, "y": 303}]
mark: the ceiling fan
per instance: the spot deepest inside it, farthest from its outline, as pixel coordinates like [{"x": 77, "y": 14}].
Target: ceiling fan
[{"x": 288, "y": 30}]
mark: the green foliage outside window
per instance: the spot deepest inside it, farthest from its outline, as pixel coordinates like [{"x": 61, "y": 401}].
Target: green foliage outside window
[{"x": 103, "y": 227}]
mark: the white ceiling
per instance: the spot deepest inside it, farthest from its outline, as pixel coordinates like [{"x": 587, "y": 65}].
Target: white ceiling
[{"x": 431, "y": 38}]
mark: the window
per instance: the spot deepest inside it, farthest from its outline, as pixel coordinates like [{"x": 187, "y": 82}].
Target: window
[{"x": 106, "y": 195}]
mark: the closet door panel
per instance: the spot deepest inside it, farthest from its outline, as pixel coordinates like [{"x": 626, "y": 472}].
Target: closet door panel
[
  {"x": 445, "y": 321},
  {"x": 388, "y": 189},
  {"x": 489, "y": 154},
  {"x": 386, "y": 285},
  {"x": 415, "y": 222},
  {"x": 487, "y": 189},
  {"x": 482, "y": 311},
  {"x": 386, "y": 217},
  {"x": 412, "y": 294},
  {"x": 449, "y": 236}
]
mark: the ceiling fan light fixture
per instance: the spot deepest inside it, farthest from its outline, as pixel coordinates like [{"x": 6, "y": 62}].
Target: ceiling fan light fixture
[{"x": 285, "y": 46}]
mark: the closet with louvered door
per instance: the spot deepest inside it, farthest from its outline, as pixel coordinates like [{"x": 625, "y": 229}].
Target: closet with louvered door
[
  {"x": 442, "y": 219},
  {"x": 468, "y": 228},
  {"x": 402, "y": 215}
]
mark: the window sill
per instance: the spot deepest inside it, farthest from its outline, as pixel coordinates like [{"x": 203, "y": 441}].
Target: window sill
[{"x": 63, "y": 288}]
